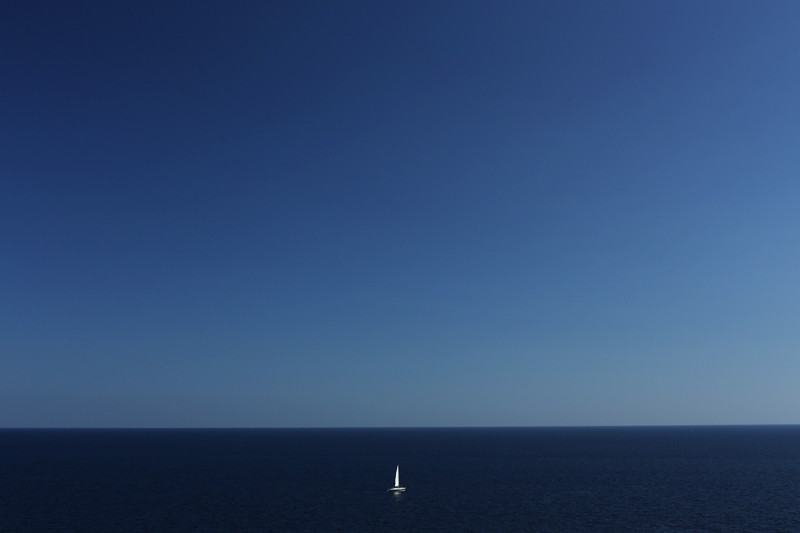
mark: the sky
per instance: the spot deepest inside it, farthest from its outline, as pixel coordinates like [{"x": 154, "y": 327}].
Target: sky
[{"x": 454, "y": 213}]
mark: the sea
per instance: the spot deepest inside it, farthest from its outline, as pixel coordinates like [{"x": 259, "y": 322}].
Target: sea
[{"x": 622, "y": 479}]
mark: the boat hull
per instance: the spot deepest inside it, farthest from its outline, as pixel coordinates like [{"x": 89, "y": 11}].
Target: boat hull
[{"x": 397, "y": 489}]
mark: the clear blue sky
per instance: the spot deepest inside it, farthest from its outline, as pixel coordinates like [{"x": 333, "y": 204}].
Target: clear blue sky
[{"x": 399, "y": 213}]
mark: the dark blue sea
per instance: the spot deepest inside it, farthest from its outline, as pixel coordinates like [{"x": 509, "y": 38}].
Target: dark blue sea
[{"x": 661, "y": 479}]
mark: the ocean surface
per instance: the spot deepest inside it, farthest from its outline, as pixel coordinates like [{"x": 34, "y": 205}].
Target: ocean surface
[{"x": 661, "y": 479}]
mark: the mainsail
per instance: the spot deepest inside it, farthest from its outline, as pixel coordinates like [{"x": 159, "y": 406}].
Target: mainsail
[{"x": 397, "y": 488}]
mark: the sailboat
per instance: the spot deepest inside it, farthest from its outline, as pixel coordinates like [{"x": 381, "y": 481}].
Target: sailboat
[{"x": 397, "y": 487}]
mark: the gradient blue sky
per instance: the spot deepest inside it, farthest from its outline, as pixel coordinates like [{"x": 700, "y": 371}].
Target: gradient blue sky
[{"x": 399, "y": 213}]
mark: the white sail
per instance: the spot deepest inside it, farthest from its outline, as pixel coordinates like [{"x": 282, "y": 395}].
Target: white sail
[{"x": 397, "y": 488}]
